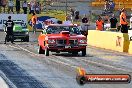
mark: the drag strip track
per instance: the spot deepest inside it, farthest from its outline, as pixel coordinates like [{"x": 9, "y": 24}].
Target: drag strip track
[
  {"x": 74, "y": 61},
  {"x": 56, "y": 70},
  {"x": 67, "y": 64}
]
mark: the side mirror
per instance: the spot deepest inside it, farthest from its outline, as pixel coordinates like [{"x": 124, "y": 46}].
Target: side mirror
[{"x": 43, "y": 32}]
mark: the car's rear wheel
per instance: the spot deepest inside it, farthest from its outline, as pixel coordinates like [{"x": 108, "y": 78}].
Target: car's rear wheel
[
  {"x": 84, "y": 52},
  {"x": 46, "y": 52},
  {"x": 41, "y": 51}
]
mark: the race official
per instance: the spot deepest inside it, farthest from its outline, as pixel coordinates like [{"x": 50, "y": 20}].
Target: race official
[
  {"x": 34, "y": 21},
  {"x": 113, "y": 22},
  {"x": 84, "y": 19},
  {"x": 123, "y": 21},
  {"x": 9, "y": 30}
]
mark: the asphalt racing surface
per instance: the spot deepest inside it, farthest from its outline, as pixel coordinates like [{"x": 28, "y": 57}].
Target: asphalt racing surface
[{"x": 22, "y": 67}]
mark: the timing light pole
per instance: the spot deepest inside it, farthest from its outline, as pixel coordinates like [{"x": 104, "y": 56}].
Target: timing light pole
[{"x": 66, "y": 7}]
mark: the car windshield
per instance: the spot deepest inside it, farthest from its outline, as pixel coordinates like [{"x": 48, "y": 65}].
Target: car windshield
[
  {"x": 20, "y": 23},
  {"x": 58, "y": 29}
]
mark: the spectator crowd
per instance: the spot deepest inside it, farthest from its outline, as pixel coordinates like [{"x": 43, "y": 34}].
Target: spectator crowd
[
  {"x": 109, "y": 6},
  {"x": 20, "y": 6}
]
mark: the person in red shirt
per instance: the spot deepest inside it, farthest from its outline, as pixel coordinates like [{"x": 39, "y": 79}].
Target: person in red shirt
[
  {"x": 123, "y": 21},
  {"x": 34, "y": 21},
  {"x": 100, "y": 24}
]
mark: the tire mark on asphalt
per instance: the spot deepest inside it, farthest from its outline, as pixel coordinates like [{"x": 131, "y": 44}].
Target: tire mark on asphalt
[{"x": 19, "y": 77}]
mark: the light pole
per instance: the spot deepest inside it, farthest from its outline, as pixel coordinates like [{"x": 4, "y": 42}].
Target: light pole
[
  {"x": 66, "y": 7},
  {"x": 45, "y": 10}
]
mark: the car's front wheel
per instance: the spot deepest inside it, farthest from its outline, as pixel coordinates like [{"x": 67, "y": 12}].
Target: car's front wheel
[
  {"x": 27, "y": 39},
  {"x": 84, "y": 52}
]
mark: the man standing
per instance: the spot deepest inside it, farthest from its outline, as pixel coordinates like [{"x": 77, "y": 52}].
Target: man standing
[
  {"x": 76, "y": 15},
  {"x": 24, "y": 6},
  {"x": 34, "y": 20},
  {"x": 72, "y": 14},
  {"x": 4, "y": 2},
  {"x": 113, "y": 22},
  {"x": 9, "y": 26},
  {"x": 32, "y": 6},
  {"x": 112, "y": 6},
  {"x": 10, "y": 6},
  {"x": 0, "y": 5},
  {"x": 18, "y": 6},
  {"x": 84, "y": 26},
  {"x": 123, "y": 21},
  {"x": 84, "y": 19}
]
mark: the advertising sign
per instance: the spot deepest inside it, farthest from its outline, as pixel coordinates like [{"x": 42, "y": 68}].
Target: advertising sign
[{"x": 15, "y": 17}]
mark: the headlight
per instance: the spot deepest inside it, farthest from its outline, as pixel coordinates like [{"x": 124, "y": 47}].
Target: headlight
[
  {"x": 51, "y": 41},
  {"x": 26, "y": 33},
  {"x": 82, "y": 41}
]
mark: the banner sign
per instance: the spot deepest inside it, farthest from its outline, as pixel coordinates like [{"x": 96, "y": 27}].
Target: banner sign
[
  {"x": 40, "y": 21},
  {"x": 15, "y": 17},
  {"x": 41, "y": 18}
]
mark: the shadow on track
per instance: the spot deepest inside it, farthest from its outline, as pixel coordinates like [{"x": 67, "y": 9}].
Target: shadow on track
[{"x": 70, "y": 55}]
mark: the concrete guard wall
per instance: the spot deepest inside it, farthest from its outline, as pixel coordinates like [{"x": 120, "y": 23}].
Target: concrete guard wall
[
  {"x": 130, "y": 48},
  {"x": 109, "y": 40}
]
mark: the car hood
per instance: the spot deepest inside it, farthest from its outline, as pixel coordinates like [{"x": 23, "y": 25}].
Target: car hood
[
  {"x": 19, "y": 28},
  {"x": 73, "y": 36}
]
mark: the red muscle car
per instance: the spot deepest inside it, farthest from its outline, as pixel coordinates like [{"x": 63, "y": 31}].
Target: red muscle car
[{"x": 62, "y": 38}]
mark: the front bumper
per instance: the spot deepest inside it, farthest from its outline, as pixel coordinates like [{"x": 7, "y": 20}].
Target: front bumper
[
  {"x": 20, "y": 35},
  {"x": 66, "y": 48}
]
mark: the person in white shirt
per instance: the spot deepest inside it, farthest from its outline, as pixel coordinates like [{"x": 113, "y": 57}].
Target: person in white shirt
[
  {"x": 24, "y": 6},
  {"x": 10, "y": 6},
  {"x": 32, "y": 6}
]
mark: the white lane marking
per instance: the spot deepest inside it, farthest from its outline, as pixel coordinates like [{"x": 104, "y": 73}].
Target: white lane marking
[
  {"x": 105, "y": 65},
  {"x": 3, "y": 84}
]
